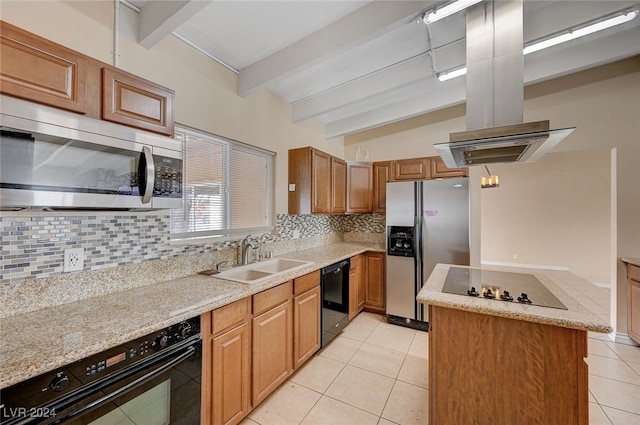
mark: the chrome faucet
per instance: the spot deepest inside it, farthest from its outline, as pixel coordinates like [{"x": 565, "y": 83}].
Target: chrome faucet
[
  {"x": 246, "y": 243},
  {"x": 260, "y": 242}
]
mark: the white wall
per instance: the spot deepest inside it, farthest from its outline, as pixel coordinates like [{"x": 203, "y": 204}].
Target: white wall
[{"x": 205, "y": 91}]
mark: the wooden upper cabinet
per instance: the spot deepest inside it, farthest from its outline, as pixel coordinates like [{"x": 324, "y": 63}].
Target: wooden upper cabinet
[
  {"x": 338, "y": 186},
  {"x": 440, "y": 170},
  {"x": 359, "y": 187},
  {"x": 39, "y": 70},
  {"x": 129, "y": 100},
  {"x": 317, "y": 182},
  {"x": 411, "y": 169},
  {"x": 381, "y": 175}
]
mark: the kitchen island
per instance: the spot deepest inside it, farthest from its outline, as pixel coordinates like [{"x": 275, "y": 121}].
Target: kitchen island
[{"x": 504, "y": 362}]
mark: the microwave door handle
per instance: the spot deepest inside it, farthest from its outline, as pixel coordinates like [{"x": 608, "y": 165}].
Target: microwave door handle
[{"x": 150, "y": 174}]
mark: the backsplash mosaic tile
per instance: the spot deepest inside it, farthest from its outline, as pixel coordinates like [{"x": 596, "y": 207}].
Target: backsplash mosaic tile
[{"x": 126, "y": 249}]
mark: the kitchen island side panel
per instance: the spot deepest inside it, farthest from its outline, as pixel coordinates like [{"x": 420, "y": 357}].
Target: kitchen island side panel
[{"x": 498, "y": 371}]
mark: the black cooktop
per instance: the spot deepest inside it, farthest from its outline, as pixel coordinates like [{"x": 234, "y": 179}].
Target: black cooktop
[{"x": 500, "y": 286}]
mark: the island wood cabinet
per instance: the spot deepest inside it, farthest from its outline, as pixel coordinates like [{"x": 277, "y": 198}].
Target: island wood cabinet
[
  {"x": 39, "y": 70},
  {"x": 633, "y": 300},
  {"x": 317, "y": 182},
  {"x": 374, "y": 276},
  {"x": 226, "y": 372},
  {"x": 381, "y": 175},
  {"x": 356, "y": 285},
  {"x": 493, "y": 370},
  {"x": 359, "y": 187},
  {"x": 272, "y": 335},
  {"x": 307, "y": 304}
]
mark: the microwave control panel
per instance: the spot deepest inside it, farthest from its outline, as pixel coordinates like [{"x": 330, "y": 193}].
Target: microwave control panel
[{"x": 168, "y": 177}]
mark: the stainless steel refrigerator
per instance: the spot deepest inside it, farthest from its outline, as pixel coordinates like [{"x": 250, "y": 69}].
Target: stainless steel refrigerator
[{"x": 427, "y": 223}]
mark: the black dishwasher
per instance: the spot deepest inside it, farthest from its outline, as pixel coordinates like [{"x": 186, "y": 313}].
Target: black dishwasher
[{"x": 335, "y": 300}]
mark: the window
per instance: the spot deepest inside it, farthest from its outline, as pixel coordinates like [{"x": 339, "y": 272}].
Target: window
[{"x": 228, "y": 188}]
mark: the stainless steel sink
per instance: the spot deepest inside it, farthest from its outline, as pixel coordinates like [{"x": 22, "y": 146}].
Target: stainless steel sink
[{"x": 260, "y": 271}]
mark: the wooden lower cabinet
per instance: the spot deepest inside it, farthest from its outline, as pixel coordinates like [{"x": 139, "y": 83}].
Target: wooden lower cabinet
[
  {"x": 226, "y": 376},
  {"x": 306, "y": 325},
  {"x": 374, "y": 285},
  {"x": 633, "y": 302},
  {"x": 492, "y": 370},
  {"x": 356, "y": 285},
  {"x": 272, "y": 334}
]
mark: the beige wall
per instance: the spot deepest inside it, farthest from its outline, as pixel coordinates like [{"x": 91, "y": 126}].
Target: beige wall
[
  {"x": 553, "y": 213},
  {"x": 604, "y": 105},
  {"x": 205, "y": 91}
]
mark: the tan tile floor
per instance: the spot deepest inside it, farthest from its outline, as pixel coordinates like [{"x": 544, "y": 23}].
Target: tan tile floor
[{"x": 376, "y": 373}]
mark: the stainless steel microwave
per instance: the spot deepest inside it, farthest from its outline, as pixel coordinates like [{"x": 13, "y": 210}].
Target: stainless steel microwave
[{"x": 51, "y": 158}]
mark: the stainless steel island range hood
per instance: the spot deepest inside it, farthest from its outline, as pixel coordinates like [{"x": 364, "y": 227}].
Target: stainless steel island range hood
[{"x": 495, "y": 94}]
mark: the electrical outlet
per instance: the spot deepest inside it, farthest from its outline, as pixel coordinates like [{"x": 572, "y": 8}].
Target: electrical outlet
[
  {"x": 514, "y": 256},
  {"x": 73, "y": 259},
  {"x": 296, "y": 234}
]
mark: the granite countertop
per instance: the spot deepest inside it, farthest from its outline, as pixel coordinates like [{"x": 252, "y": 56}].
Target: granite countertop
[
  {"x": 576, "y": 316},
  {"x": 40, "y": 341},
  {"x": 630, "y": 260}
]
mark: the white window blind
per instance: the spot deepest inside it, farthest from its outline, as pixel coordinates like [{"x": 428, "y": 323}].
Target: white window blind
[{"x": 228, "y": 188}]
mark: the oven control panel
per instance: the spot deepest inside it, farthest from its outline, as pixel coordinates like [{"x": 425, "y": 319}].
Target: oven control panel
[{"x": 48, "y": 386}]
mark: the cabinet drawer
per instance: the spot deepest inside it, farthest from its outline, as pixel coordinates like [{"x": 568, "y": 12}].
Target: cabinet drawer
[
  {"x": 225, "y": 317},
  {"x": 272, "y": 297},
  {"x": 633, "y": 272},
  {"x": 304, "y": 283}
]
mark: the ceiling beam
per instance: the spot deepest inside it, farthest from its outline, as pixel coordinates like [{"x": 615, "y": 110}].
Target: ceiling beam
[
  {"x": 540, "y": 66},
  {"x": 159, "y": 18},
  {"x": 364, "y": 24}
]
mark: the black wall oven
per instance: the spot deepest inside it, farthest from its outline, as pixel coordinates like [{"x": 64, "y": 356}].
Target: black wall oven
[
  {"x": 335, "y": 300},
  {"x": 153, "y": 380}
]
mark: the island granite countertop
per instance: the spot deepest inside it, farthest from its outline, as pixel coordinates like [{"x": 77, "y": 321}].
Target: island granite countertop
[
  {"x": 576, "y": 316},
  {"x": 40, "y": 341}
]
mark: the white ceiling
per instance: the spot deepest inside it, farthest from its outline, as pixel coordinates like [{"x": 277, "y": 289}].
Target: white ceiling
[{"x": 356, "y": 65}]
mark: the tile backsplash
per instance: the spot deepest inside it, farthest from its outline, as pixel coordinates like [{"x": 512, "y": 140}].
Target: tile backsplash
[{"x": 119, "y": 244}]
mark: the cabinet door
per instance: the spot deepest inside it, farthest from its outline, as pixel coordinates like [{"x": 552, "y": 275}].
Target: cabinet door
[
  {"x": 338, "y": 186},
  {"x": 39, "y": 70},
  {"x": 272, "y": 350},
  {"x": 231, "y": 375},
  {"x": 633, "y": 308},
  {"x": 411, "y": 169},
  {"x": 306, "y": 326},
  {"x": 374, "y": 285},
  {"x": 381, "y": 175},
  {"x": 135, "y": 102},
  {"x": 440, "y": 170},
  {"x": 321, "y": 191},
  {"x": 359, "y": 187},
  {"x": 353, "y": 291}
]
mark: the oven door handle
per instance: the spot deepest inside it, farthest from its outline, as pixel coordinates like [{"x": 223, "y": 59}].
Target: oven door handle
[{"x": 190, "y": 352}]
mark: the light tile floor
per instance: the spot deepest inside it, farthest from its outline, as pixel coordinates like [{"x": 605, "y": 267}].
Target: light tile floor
[{"x": 377, "y": 373}]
